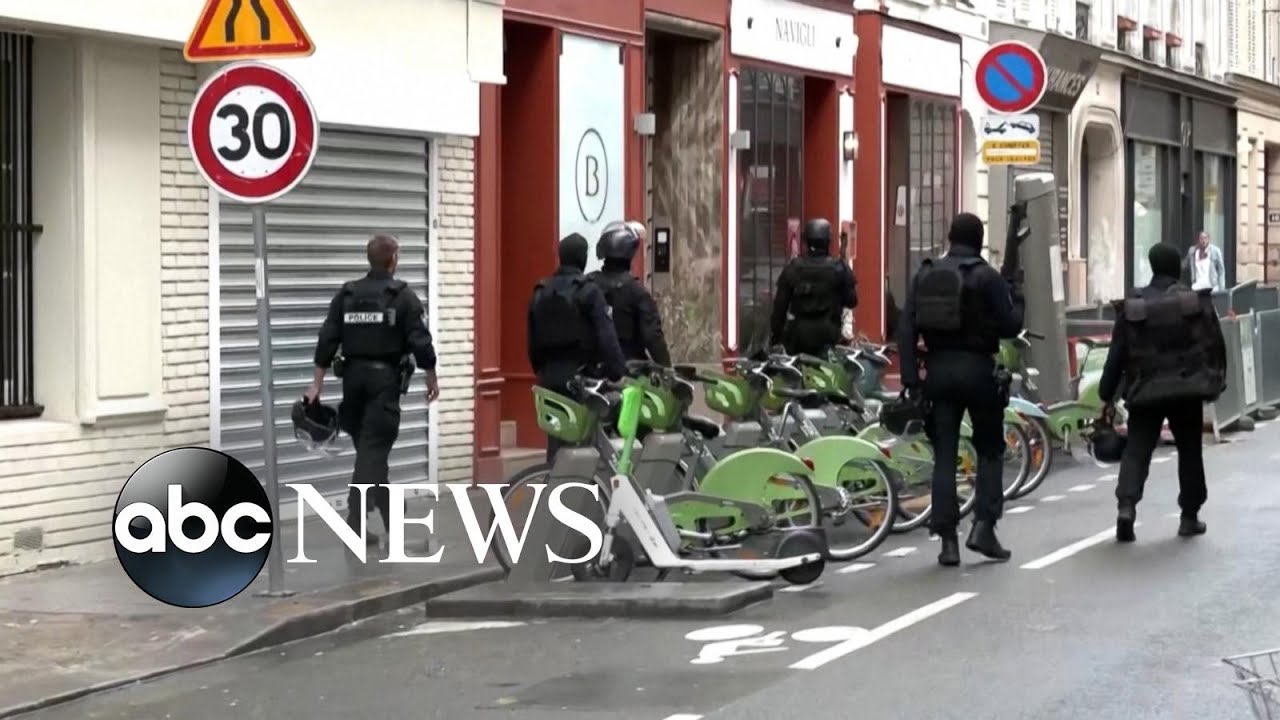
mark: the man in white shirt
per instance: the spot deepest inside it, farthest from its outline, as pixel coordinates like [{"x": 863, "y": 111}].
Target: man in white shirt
[{"x": 1204, "y": 261}]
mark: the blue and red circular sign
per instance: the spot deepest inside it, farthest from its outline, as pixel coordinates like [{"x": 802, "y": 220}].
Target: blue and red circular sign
[{"x": 1011, "y": 77}]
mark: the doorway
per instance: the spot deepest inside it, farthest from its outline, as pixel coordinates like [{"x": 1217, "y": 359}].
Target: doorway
[{"x": 684, "y": 90}]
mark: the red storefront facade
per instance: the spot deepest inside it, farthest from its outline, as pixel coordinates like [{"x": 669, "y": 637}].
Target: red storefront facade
[
  {"x": 671, "y": 135},
  {"x": 909, "y": 79}
]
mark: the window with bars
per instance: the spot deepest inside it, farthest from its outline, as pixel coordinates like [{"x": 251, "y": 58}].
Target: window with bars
[
  {"x": 1083, "y": 14},
  {"x": 18, "y": 230},
  {"x": 771, "y": 107},
  {"x": 931, "y": 180}
]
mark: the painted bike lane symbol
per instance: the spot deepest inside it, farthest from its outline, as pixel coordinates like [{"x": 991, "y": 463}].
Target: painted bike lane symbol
[{"x": 722, "y": 642}]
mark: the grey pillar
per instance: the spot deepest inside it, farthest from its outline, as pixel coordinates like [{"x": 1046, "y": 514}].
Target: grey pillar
[{"x": 1041, "y": 258}]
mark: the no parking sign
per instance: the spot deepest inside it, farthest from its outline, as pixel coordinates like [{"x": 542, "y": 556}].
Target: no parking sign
[{"x": 1011, "y": 79}]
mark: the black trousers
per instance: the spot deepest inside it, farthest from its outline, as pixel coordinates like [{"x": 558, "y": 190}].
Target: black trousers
[
  {"x": 810, "y": 336},
  {"x": 370, "y": 414},
  {"x": 957, "y": 382},
  {"x": 1186, "y": 421},
  {"x": 556, "y": 377}
]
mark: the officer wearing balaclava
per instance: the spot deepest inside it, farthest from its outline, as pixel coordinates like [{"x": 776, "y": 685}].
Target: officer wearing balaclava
[
  {"x": 961, "y": 307},
  {"x": 569, "y": 327},
  {"x": 814, "y": 290}
]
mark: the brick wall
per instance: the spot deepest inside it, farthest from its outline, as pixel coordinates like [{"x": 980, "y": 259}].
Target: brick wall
[
  {"x": 454, "y": 237},
  {"x": 59, "y": 481}
]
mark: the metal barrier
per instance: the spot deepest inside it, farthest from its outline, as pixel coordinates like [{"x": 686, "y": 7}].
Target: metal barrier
[
  {"x": 1266, "y": 349},
  {"x": 1231, "y": 406}
]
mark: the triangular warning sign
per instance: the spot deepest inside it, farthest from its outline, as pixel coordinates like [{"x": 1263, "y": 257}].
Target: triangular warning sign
[{"x": 246, "y": 29}]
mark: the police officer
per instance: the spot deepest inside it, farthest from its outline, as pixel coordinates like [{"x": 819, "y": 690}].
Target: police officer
[
  {"x": 814, "y": 289},
  {"x": 635, "y": 315},
  {"x": 569, "y": 326},
  {"x": 961, "y": 306},
  {"x": 1167, "y": 358},
  {"x": 378, "y": 321}
]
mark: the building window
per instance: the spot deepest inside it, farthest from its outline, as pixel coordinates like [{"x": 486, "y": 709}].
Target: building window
[
  {"x": 931, "y": 180},
  {"x": 1200, "y": 69},
  {"x": 1122, "y": 40},
  {"x": 18, "y": 230},
  {"x": 1171, "y": 56},
  {"x": 771, "y": 107},
  {"x": 1149, "y": 49},
  {"x": 1082, "y": 21},
  {"x": 1148, "y": 206},
  {"x": 1213, "y": 188}
]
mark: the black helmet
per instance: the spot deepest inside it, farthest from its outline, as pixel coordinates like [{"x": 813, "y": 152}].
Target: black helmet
[
  {"x": 617, "y": 242},
  {"x": 1106, "y": 445},
  {"x": 903, "y": 415},
  {"x": 316, "y": 426},
  {"x": 817, "y": 235}
]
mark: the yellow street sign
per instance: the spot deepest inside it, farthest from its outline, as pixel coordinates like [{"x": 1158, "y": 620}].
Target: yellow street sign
[
  {"x": 247, "y": 29},
  {"x": 1011, "y": 152}
]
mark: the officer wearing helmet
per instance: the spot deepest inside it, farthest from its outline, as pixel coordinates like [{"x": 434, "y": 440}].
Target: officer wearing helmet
[
  {"x": 962, "y": 307},
  {"x": 635, "y": 315},
  {"x": 1167, "y": 358},
  {"x": 814, "y": 290},
  {"x": 378, "y": 322}
]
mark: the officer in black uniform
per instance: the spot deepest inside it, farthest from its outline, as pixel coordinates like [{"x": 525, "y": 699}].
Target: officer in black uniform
[
  {"x": 961, "y": 306},
  {"x": 635, "y": 315},
  {"x": 378, "y": 321},
  {"x": 814, "y": 289},
  {"x": 1167, "y": 358},
  {"x": 569, "y": 327}
]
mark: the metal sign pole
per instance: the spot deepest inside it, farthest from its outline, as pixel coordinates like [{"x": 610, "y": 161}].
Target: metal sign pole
[{"x": 275, "y": 562}]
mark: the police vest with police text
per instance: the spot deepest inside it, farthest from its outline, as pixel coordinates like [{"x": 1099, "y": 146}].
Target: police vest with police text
[
  {"x": 1170, "y": 341},
  {"x": 815, "y": 283},
  {"x": 370, "y": 328},
  {"x": 950, "y": 310}
]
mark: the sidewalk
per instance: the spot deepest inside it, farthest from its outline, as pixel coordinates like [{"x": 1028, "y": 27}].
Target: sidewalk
[{"x": 72, "y": 631}]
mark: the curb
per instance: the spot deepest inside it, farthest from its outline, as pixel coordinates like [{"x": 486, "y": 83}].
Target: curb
[{"x": 307, "y": 625}]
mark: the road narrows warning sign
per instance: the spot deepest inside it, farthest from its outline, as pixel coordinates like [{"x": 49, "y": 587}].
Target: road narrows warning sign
[{"x": 246, "y": 29}]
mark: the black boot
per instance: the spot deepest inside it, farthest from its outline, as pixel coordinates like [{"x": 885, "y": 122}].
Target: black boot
[
  {"x": 353, "y": 522},
  {"x": 950, "y": 554},
  {"x": 1190, "y": 526},
  {"x": 982, "y": 540},
  {"x": 1125, "y": 518}
]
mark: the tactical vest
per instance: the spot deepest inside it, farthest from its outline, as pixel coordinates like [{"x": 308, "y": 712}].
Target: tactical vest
[
  {"x": 815, "y": 282},
  {"x": 625, "y": 322},
  {"x": 950, "y": 310},
  {"x": 560, "y": 324},
  {"x": 370, "y": 328},
  {"x": 1170, "y": 342}
]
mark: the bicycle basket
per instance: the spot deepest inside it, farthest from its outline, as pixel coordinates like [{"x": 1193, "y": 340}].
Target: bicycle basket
[
  {"x": 562, "y": 418},
  {"x": 828, "y": 377},
  {"x": 659, "y": 407},
  {"x": 1258, "y": 674},
  {"x": 729, "y": 395}
]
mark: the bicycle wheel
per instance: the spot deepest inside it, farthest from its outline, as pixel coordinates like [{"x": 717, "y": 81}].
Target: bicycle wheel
[
  {"x": 1041, "y": 451},
  {"x": 801, "y": 512},
  {"x": 967, "y": 476},
  {"x": 913, "y": 484},
  {"x": 873, "y": 502},
  {"x": 519, "y": 499},
  {"x": 1017, "y": 459}
]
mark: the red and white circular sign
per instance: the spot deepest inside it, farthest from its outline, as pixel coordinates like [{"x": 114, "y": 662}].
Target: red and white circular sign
[{"x": 253, "y": 132}]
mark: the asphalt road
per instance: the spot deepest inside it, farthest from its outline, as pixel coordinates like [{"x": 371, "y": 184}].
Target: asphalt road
[{"x": 1074, "y": 627}]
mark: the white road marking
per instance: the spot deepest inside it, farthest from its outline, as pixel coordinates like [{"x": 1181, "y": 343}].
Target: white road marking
[
  {"x": 867, "y": 637},
  {"x": 436, "y": 628},
  {"x": 1163, "y": 459},
  {"x": 900, "y": 552},
  {"x": 1019, "y": 509},
  {"x": 1108, "y": 478},
  {"x": 799, "y": 588},
  {"x": 1072, "y": 549},
  {"x": 566, "y": 578},
  {"x": 855, "y": 567},
  {"x": 1274, "y": 457},
  {"x": 683, "y": 716},
  {"x": 1053, "y": 498},
  {"x": 1174, "y": 514},
  {"x": 1082, "y": 488}
]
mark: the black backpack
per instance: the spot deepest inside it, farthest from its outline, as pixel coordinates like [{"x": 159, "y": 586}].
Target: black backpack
[
  {"x": 940, "y": 294},
  {"x": 558, "y": 317}
]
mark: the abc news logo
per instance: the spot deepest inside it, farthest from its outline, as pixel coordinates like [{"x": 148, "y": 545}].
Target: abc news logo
[{"x": 193, "y": 527}]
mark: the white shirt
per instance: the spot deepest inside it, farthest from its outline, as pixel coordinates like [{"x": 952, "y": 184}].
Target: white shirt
[{"x": 1202, "y": 270}]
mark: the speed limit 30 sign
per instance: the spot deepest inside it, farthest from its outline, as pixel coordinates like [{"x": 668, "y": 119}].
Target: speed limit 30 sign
[{"x": 253, "y": 132}]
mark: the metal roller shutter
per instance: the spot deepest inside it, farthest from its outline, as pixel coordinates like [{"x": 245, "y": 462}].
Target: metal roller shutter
[
  {"x": 361, "y": 184},
  {"x": 1047, "y": 164}
]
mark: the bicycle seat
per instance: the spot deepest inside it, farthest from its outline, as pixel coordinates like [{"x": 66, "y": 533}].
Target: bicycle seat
[
  {"x": 688, "y": 372},
  {"x": 835, "y": 397},
  {"x": 810, "y": 360},
  {"x": 796, "y": 393},
  {"x": 707, "y": 428}
]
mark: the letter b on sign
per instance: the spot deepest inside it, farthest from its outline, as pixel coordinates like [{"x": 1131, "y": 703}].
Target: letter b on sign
[{"x": 192, "y": 527}]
